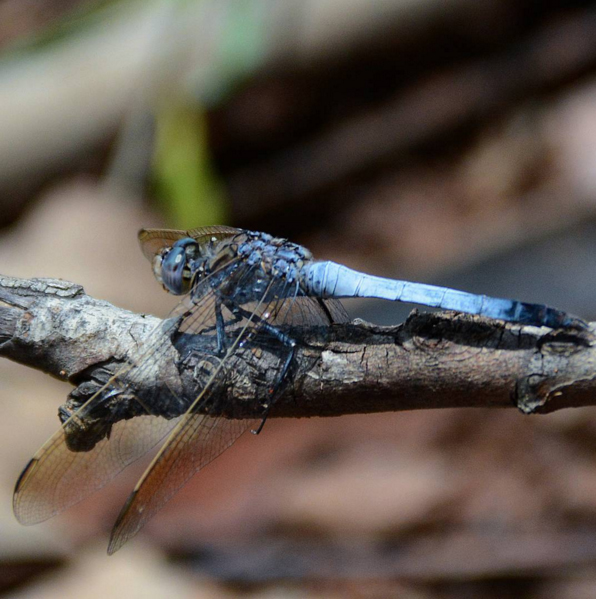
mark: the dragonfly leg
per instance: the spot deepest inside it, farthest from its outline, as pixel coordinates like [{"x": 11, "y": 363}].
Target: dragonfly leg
[
  {"x": 270, "y": 329},
  {"x": 276, "y": 390},
  {"x": 220, "y": 329},
  {"x": 286, "y": 340}
]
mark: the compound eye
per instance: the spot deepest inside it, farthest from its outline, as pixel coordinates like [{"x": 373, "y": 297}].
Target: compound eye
[{"x": 173, "y": 270}]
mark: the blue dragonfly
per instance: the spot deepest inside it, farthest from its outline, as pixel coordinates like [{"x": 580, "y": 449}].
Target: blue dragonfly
[{"x": 241, "y": 289}]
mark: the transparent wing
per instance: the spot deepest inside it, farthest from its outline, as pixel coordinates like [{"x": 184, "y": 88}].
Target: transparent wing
[
  {"x": 153, "y": 240},
  {"x": 59, "y": 476},
  {"x": 307, "y": 311},
  {"x": 199, "y": 438},
  {"x": 199, "y": 441},
  {"x": 336, "y": 310}
]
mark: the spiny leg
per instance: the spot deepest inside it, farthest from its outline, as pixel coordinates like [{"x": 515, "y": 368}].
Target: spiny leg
[
  {"x": 286, "y": 340},
  {"x": 276, "y": 390},
  {"x": 220, "y": 329}
]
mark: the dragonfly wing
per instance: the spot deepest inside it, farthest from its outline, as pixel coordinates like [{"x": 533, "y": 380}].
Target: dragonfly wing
[
  {"x": 203, "y": 433},
  {"x": 305, "y": 311},
  {"x": 57, "y": 477},
  {"x": 336, "y": 310},
  {"x": 195, "y": 443},
  {"x": 61, "y": 474},
  {"x": 153, "y": 240}
]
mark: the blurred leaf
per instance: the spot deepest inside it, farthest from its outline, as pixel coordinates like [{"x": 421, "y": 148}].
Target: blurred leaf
[{"x": 184, "y": 178}]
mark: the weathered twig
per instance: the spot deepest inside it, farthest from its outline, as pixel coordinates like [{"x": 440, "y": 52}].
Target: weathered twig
[{"x": 430, "y": 361}]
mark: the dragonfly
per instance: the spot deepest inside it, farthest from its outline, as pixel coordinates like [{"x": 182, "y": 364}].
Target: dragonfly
[{"x": 241, "y": 291}]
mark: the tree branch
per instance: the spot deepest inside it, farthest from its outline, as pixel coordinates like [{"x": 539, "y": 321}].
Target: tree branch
[{"x": 440, "y": 360}]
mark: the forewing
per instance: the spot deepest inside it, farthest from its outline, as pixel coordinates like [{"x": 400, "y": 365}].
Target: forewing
[
  {"x": 153, "y": 240},
  {"x": 199, "y": 437},
  {"x": 58, "y": 477},
  {"x": 200, "y": 440},
  {"x": 201, "y": 234}
]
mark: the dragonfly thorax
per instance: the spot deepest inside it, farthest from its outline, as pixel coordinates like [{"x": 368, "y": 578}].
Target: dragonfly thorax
[
  {"x": 244, "y": 267},
  {"x": 273, "y": 258}
]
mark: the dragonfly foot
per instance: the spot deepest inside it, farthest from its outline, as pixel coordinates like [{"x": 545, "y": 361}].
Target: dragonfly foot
[{"x": 263, "y": 420}]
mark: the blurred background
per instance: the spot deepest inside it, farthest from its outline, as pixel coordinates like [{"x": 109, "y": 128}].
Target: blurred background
[{"x": 446, "y": 141}]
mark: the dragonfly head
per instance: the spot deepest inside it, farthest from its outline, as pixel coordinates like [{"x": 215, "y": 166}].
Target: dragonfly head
[{"x": 172, "y": 266}]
